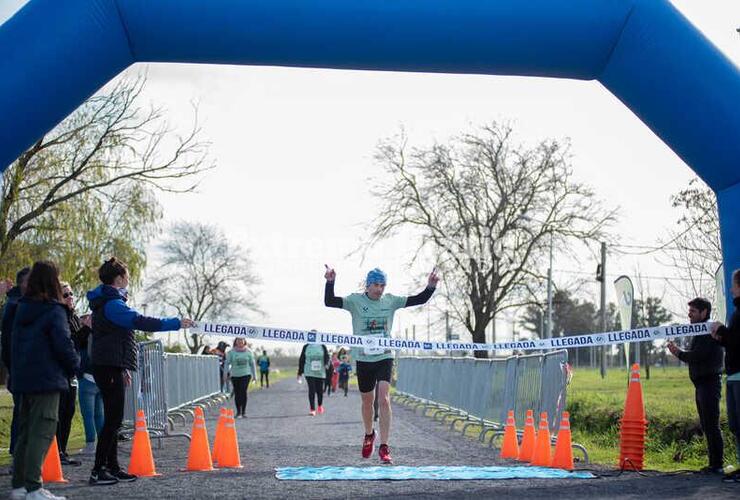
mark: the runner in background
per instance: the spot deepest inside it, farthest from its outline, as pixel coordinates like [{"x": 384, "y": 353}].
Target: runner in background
[
  {"x": 264, "y": 362},
  {"x": 372, "y": 315},
  {"x": 312, "y": 365},
  {"x": 328, "y": 377},
  {"x": 335, "y": 375},
  {"x": 344, "y": 368},
  {"x": 241, "y": 369}
]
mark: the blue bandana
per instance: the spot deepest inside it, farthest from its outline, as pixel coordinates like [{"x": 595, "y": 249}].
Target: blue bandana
[{"x": 375, "y": 276}]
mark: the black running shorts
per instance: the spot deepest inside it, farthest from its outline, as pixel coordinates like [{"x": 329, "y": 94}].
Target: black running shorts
[{"x": 371, "y": 372}]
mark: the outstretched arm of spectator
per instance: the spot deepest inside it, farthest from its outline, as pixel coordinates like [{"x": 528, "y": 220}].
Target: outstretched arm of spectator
[{"x": 122, "y": 315}]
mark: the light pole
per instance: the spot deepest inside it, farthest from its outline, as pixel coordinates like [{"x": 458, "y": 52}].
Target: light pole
[{"x": 548, "y": 334}]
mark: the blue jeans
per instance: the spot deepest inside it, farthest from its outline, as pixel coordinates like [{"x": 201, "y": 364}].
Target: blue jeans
[{"x": 91, "y": 407}]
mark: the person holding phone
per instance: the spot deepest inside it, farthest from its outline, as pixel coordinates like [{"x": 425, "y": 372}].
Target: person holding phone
[{"x": 372, "y": 315}]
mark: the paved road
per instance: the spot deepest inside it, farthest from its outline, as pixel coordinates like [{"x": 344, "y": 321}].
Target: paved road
[{"x": 279, "y": 432}]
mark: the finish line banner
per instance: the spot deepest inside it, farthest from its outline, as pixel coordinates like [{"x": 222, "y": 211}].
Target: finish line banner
[{"x": 375, "y": 345}]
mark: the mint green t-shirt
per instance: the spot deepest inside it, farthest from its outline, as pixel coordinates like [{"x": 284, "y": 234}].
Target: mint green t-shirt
[
  {"x": 372, "y": 318},
  {"x": 240, "y": 364},
  {"x": 314, "y": 364}
]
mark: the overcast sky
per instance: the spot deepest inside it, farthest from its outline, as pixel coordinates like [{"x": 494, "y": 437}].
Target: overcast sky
[{"x": 293, "y": 149}]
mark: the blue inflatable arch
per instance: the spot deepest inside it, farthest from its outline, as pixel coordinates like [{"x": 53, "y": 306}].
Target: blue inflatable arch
[{"x": 55, "y": 54}]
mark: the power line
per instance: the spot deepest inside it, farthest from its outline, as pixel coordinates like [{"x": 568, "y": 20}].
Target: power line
[{"x": 586, "y": 273}]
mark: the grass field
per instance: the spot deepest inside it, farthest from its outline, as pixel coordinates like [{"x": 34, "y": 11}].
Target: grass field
[{"x": 674, "y": 440}]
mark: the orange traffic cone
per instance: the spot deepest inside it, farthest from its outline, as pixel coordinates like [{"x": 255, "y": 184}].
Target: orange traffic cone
[
  {"x": 142, "y": 461},
  {"x": 199, "y": 456},
  {"x": 563, "y": 458},
  {"x": 229, "y": 448},
  {"x": 218, "y": 438},
  {"x": 510, "y": 447},
  {"x": 526, "y": 450},
  {"x": 51, "y": 471},
  {"x": 542, "y": 444},
  {"x": 633, "y": 425}
]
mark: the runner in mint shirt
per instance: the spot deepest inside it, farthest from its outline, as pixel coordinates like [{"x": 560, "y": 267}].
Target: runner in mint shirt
[{"x": 372, "y": 314}]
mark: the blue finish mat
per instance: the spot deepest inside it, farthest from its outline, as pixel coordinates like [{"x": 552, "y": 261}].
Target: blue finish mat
[{"x": 402, "y": 473}]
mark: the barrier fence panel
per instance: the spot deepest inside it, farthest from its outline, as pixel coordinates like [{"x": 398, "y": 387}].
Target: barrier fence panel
[
  {"x": 165, "y": 382},
  {"x": 529, "y": 382},
  {"x": 191, "y": 378},
  {"x": 488, "y": 388},
  {"x": 147, "y": 389}
]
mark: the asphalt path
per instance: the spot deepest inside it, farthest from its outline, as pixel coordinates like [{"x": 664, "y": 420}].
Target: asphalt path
[{"x": 279, "y": 432}]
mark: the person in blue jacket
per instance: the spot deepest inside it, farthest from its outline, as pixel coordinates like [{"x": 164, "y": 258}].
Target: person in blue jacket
[
  {"x": 114, "y": 352},
  {"x": 43, "y": 359}
]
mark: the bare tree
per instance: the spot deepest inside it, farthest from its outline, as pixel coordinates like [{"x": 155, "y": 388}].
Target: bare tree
[
  {"x": 203, "y": 276},
  {"x": 486, "y": 208},
  {"x": 111, "y": 149},
  {"x": 694, "y": 249}
]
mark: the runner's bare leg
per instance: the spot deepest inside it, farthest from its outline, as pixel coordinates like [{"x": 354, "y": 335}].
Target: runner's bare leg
[{"x": 384, "y": 405}]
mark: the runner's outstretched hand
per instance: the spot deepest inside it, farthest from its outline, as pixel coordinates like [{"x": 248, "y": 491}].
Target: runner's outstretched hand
[
  {"x": 433, "y": 279},
  {"x": 330, "y": 273}
]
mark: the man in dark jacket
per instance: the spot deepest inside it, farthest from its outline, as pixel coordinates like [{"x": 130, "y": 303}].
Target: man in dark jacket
[
  {"x": 114, "y": 352},
  {"x": 729, "y": 338},
  {"x": 11, "y": 304},
  {"x": 704, "y": 357}
]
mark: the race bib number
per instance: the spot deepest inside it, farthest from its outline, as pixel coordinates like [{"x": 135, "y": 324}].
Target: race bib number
[
  {"x": 315, "y": 366},
  {"x": 374, "y": 351}
]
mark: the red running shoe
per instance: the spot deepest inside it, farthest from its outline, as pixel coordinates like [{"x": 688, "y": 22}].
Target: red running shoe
[
  {"x": 321, "y": 410},
  {"x": 368, "y": 445},
  {"x": 385, "y": 454}
]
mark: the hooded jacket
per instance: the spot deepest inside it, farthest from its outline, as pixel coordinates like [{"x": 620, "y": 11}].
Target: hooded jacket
[
  {"x": 729, "y": 338},
  {"x": 11, "y": 304},
  {"x": 113, "y": 325},
  {"x": 43, "y": 355}
]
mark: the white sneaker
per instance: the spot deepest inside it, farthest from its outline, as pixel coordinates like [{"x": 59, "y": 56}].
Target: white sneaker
[
  {"x": 17, "y": 494},
  {"x": 89, "y": 449},
  {"x": 43, "y": 494}
]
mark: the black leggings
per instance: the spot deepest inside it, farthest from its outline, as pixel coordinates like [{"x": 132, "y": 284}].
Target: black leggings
[
  {"x": 109, "y": 380},
  {"x": 67, "y": 400},
  {"x": 264, "y": 377},
  {"x": 315, "y": 391},
  {"x": 240, "y": 392}
]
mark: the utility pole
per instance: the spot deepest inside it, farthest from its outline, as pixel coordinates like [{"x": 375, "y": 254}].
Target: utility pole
[
  {"x": 429, "y": 325},
  {"x": 549, "y": 294},
  {"x": 603, "y": 306},
  {"x": 447, "y": 326}
]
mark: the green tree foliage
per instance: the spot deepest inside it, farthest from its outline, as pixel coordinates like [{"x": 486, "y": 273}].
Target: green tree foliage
[{"x": 86, "y": 190}]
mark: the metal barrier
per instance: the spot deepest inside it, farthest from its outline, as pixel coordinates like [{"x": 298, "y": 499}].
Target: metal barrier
[
  {"x": 480, "y": 392},
  {"x": 167, "y": 386},
  {"x": 191, "y": 380}
]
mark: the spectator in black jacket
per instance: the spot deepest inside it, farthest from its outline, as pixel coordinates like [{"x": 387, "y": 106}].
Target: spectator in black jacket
[
  {"x": 704, "y": 357},
  {"x": 13, "y": 295},
  {"x": 68, "y": 398},
  {"x": 43, "y": 358},
  {"x": 729, "y": 338},
  {"x": 114, "y": 352}
]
